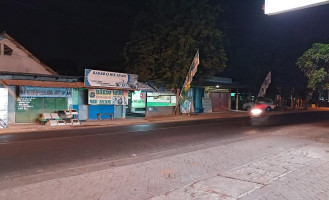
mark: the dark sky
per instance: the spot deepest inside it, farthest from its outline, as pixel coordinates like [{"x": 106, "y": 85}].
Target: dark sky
[
  {"x": 86, "y": 32},
  {"x": 92, "y": 33},
  {"x": 260, "y": 43}
]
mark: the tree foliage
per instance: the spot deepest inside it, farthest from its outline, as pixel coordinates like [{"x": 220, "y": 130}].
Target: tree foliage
[
  {"x": 314, "y": 63},
  {"x": 167, "y": 35}
]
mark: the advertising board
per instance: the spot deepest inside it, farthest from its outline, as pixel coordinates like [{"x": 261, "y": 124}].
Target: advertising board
[
  {"x": 110, "y": 79},
  {"x": 107, "y": 97}
]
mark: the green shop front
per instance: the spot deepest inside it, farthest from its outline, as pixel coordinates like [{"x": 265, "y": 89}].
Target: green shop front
[
  {"x": 153, "y": 104},
  {"x": 33, "y": 101}
]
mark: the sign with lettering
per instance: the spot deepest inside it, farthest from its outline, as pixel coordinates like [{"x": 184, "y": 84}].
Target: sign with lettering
[
  {"x": 107, "y": 97},
  {"x": 161, "y": 99},
  {"x": 110, "y": 79},
  {"x": 24, "y": 103},
  {"x": 29, "y": 91}
]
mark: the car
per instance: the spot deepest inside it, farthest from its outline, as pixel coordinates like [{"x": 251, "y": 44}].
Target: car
[{"x": 269, "y": 104}]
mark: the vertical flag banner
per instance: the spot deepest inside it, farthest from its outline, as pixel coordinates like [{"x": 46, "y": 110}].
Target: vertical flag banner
[
  {"x": 186, "y": 103},
  {"x": 265, "y": 85},
  {"x": 192, "y": 71}
]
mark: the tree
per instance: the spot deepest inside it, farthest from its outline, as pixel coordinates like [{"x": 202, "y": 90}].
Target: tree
[
  {"x": 314, "y": 63},
  {"x": 167, "y": 35}
]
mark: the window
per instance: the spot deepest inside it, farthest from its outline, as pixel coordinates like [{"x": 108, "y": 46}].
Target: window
[{"x": 7, "y": 50}]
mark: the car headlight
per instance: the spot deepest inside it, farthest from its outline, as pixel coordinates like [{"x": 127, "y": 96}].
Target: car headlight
[{"x": 256, "y": 111}]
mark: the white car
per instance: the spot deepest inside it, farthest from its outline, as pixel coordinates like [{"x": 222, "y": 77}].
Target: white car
[{"x": 270, "y": 104}]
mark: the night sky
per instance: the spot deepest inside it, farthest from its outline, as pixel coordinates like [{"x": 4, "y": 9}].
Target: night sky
[{"x": 82, "y": 34}]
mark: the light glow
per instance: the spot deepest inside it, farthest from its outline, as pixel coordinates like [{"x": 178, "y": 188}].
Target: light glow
[
  {"x": 279, "y": 6},
  {"x": 256, "y": 111}
]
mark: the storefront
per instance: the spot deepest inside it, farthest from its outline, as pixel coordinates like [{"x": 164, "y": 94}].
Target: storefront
[
  {"x": 215, "y": 94},
  {"x": 160, "y": 104},
  {"x": 28, "y": 99},
  {"x": 151, "y": 101},
  {"x": 103, "y": 102},
  {"x": 33, "y": 101},
  {"x": 138, "y": 103},
  {"x": 108, "y": 93}
]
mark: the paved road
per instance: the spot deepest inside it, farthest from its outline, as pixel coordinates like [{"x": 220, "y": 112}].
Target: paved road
[
  {"x": 289, "y": 162},
  {"x": 34, "y": 153},
  {"x": 160, "y": 161},
  {"x": 39, "y": 152}
]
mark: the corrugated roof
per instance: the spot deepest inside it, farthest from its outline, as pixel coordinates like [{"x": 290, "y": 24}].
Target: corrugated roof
[
  {"x": 107, "y": 88},
  {"x": 56, "y": 84}
]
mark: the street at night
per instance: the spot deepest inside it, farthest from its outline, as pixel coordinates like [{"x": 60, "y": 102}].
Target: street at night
[
  {"x": 175, "y": 160},
  {"x": 164, "y": 100}
]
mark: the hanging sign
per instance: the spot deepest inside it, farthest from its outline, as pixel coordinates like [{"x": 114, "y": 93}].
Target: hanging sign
[
  {"x": 110, "y": 79},
  {"x": 107, "y": 97}
]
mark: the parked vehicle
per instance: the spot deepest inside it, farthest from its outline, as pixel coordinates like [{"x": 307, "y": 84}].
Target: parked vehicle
[{"x": 267, "y": 103}]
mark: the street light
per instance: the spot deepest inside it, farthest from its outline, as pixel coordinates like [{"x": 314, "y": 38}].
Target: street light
[{"x": 273, "y": 7}]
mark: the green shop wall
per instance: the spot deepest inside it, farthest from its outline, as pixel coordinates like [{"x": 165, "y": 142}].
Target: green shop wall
[{"x": 29, "y": 109}]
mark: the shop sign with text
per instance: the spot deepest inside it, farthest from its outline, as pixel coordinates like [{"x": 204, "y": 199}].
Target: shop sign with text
[
  {"x": 110, "y": 79},
  {"x": 29, "y": 91},
  {"x": 107, "y": 97}
]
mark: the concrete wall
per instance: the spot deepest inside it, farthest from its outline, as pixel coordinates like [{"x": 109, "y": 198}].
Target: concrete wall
[
  {"x": 20, "y": 61},
  {"x": 11, "y": 105},
  {"x": 159, "y": 111}
]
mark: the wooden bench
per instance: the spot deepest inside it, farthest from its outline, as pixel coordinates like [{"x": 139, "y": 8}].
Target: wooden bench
[
  {"x": 99, "y": 115},
  {"x": 46, "y": 117}
]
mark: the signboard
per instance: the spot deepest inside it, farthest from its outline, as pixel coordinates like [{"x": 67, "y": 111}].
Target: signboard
[
  {"x": 3, "y": 107},
  {"x": 107, "y": 97},
  {"x": 138, "y": 99},
  {"x": 29, "y": 91},
  {"x": 161, "y": 99},
  {"x": 24, "y": 103},
  {"x": 110, "y": 79},
  {"x": 186, "y": 106},
  {"x": 280, "y": 6}
]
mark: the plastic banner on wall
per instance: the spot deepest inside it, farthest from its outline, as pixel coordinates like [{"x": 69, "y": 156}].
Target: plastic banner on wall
[
  {"x": 186, "y": 106},
  {"x": 110, "y": 79},
  {"x": 161, "y": 99},
  {"x": 3, "y": 107},
  {"x": 107, "y": 97},
  {"x": 29, "y": 91}
]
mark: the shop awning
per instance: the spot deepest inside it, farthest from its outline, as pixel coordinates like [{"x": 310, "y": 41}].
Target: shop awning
[{"x": 55, "y": 84}]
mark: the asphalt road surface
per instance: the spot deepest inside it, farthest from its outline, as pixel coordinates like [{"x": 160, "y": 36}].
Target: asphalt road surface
[{"x": 75, "y": 151}]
